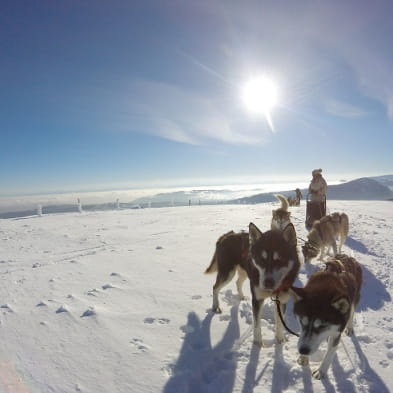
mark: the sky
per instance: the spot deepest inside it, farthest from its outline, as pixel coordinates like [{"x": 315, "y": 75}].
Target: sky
[{"x": 101, "y": 95}]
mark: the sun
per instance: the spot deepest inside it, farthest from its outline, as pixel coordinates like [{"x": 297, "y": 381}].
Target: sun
[{"x": 260, "y": 95}]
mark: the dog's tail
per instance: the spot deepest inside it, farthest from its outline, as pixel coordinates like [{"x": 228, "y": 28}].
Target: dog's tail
[
  {"x": 345, "y": 224},
  {"x": 283, "y": 200},
  {"x": 213, "y": 264}
]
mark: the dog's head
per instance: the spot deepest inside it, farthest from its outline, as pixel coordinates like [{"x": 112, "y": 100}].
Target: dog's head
[
  {"x": 309, "y": 251},
  {"x": 320, "y": 316},
  {"x": 280, "y": 219},
  {"x": 274, "y": 256}
]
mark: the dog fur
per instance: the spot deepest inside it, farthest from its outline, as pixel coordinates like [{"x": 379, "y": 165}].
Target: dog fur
[
  {"x": 268, "y": 259},
  {"x": 273, "y": 266},
  {"x": 281, "y": 217},
  {"x": 323, "y": 234},
  {"x": 325, "y": 308},
  {"x": 230, "y": 255}
]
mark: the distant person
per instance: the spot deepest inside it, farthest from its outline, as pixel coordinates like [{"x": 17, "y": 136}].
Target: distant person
[
  {"x": 316, "y": 198},
  {"x": 299, "y": 195},
  {"x": 295, "y": 201}
]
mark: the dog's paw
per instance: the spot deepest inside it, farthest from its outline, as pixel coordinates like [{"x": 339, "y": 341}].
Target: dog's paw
[
  {"x": 217, "y": 310},
  {"x": 302, "y": 360},
  {"x": 318, "y": 374},
  {"x": 349, "y": 331},
  {"x": 281, "y": 339},
  {"x": 258, "y": 343}
]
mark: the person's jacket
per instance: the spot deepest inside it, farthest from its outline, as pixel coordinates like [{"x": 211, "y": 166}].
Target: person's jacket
[{"x": 317, "y": 189}]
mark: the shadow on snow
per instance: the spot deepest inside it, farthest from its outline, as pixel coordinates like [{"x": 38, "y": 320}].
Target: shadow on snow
[
  {"x": 358, "y": 246},
  {"x": 201, "y": 368}
]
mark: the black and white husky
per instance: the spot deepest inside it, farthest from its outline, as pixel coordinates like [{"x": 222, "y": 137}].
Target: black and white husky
[{"x": 268, "y": 259}]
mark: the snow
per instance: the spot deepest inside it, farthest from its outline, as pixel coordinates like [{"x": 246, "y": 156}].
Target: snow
[{"x": 116, "y": 301}]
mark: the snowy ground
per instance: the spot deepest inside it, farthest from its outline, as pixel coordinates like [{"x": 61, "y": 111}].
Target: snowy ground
[{"x": 117, "y": 302}]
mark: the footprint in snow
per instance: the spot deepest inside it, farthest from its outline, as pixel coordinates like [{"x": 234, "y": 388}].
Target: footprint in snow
[
  {"x": 108, "y": 286},
  {"x": 93, "y": 292},
  {"x": 7, "y": 308},
  {"x": 90, "y": 312},
  {"x": 161, "y": 321},
  {"x": 139, "y": 345},
  {"x": 119, "y": 276},
  {"x": 62, "y": 309}
]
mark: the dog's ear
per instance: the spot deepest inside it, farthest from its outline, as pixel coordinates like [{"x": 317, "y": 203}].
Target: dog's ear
[
  {"x": 296, "y": 293},
  {"x": 289, "y": 235},
  {"x": 341, "y": 304},
  {"x": 254, "y": 233}
]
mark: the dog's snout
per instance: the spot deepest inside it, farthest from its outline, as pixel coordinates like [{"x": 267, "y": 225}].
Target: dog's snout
[
  {"x": 304, "y": 350},
  {"x": 268, "y": 283}
]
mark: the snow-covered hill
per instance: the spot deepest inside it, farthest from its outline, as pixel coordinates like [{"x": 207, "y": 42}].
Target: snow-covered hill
[
  {"x": 365, "y": 188},
  {"x": 117, "y": 302}
]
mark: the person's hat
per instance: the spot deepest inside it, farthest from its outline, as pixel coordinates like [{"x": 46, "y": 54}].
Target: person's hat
[{"x": 316, "y": 172}]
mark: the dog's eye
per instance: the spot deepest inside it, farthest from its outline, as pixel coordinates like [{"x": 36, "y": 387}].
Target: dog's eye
[
  {"x": 304, "y": 320},
  {"x": 319, "y": 325}
]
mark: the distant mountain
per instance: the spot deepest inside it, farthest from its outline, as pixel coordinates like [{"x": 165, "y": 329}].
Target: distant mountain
[
  {"x": 386, "y": 180},
  {"x": 365, "y": 188}
]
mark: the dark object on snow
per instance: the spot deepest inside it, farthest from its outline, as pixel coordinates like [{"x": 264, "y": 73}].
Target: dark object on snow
[{"x": 314, "y": 211}]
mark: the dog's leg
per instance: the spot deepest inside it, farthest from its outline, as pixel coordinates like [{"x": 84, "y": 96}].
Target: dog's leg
[
  {"x": 220, "y": 282},
  {"x": 322, "y": 255},
  {"x": 257, "y": 311},
  {"x": 280, "y": 337},
  {"x": 241, "y": 277},
  {"x": 334, "y": 245},
  {"x": 303, "y": 360},
  {"x": 327, "y": 360},
  {"x": 342, "y": 241},
  {"x": 349, "y": 328}
]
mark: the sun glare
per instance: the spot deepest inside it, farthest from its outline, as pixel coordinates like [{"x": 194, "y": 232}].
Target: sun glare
[{"x": 260, "y": 95}]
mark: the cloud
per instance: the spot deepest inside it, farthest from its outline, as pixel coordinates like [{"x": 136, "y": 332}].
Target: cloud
[
  {"x": 185, "y": 116},
  {"x": 342, "y": 109}
]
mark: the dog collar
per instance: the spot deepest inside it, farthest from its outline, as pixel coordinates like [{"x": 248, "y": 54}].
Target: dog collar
[{"x": 283, "y": 287}]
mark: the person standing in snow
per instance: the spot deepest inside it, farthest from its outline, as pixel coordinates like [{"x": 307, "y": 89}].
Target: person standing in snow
[
  {"x": 316, "y": 199},
  {"x": 318, "y": 187}
]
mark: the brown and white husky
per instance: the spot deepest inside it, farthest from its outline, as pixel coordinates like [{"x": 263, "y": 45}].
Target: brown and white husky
[{"x": 325, "y": 308}]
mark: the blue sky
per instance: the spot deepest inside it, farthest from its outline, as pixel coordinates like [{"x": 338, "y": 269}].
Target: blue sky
[{"x": 98, "y": 95}]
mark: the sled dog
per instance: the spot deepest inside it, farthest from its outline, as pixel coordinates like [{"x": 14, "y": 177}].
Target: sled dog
[
  {"x": 281, "y": 217},
  {"x": 273, "y": 265},
  {"x": 230, "y": 255},
  {"x": 323, "y": 235},
  {"x": 325, "y": 308},
  {"x": 268, "y": 259},
  {"x": 295, "y": 201}
]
